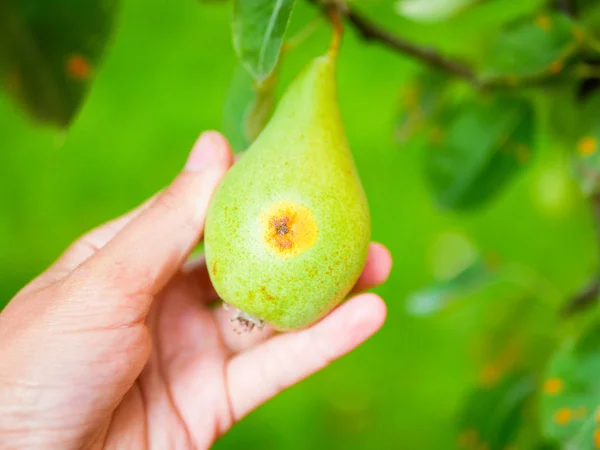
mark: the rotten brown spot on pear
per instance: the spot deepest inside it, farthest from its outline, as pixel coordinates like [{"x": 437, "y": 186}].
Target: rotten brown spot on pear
[
  {"x": 288, "y": 228},
  {"x": 282, "y": 235}
]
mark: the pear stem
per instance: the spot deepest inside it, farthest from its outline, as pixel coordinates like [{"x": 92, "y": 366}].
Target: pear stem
[
  {"x": 245, "y": 321},
  {"x": 338, "y": 30}
]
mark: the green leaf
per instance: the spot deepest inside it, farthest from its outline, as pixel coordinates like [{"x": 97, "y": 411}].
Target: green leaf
[
  {"x": 474, "y": 278},
  {"x": 570, "y": 406},
  {"x": 258, "y": 30},
  {"x": 512, "y": 334},
  {"x": 247, "y": 108},
  {"x": 492, "y": 416},
  {"x": 514, "y": 329},
  {"x": 50, "y": 51},
  {"x": 421, "y": 100},
  {"x": 536, "y": 46},
  {"x": 432, "y": 10},
  {"x": 587, "y": 9},
  {"x": 564, "y": 112},
  {"x": 485, "y": 143}
]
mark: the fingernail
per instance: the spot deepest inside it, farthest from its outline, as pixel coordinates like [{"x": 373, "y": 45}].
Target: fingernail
[{"x": 205, "y": 151}]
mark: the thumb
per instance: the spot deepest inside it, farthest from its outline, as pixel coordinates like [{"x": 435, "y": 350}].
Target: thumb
[
  {"x": 73, "y": 343},
  {"x": 148, "y": 251}
]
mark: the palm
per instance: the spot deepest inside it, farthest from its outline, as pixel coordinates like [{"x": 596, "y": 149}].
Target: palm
[
  {"x": 202, "y": 376},
  {"x": 181, "y": 396}
]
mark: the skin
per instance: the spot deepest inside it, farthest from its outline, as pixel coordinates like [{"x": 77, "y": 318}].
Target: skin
[
  {"x": 117, "y": 345},
  {"x": 288, "y": 231}
]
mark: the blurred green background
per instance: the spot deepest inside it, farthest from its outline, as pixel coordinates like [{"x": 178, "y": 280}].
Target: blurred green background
[{"x": 165, "y": 79}]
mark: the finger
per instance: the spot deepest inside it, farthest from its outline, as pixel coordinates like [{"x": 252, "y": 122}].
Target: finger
[
  {"x": 262, "y": 372},
  {"x": 377, "y": 268},
  {"x": 141, "y": 258}
]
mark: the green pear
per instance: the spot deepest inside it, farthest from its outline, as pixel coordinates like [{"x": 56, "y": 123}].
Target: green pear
[{"x": 288, "y": 229}]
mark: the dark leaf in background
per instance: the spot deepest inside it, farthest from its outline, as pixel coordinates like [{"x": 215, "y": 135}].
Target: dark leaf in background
[
  {"x": 536, "y": 46},
  {"x": 515, "y": 329},
  {"x": 513, "y": 337},
  {"x": 492, "y": 415},
  {"x": 512, "y": 329},
  {"x": 588, "y": 87},
  {"x": 247, "y": 108},
  {"x": 258, "y": 30},
  {"x": 50, "y": 51},
  {"x": 584, "y": 6},
  {"x": 485, "y": 143},
  {"x": 570, "y": 406},
  {"x": 420, "y": 101},
  {"x": 588, "y": 12}
]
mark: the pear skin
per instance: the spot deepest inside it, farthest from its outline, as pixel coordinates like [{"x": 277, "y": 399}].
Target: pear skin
[{"x": 288, "y": 229}]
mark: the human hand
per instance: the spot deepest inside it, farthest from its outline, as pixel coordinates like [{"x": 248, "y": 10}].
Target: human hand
[{"x": 117, "y": 345}]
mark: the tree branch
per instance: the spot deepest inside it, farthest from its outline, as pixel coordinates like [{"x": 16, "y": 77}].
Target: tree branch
[
  {"x": 567, "y": 6},
  {"x": 371, "y": 32},
  {"x": 582, "y": 301}
]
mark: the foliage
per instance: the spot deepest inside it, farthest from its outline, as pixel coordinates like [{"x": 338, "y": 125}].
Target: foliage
[
  {"x": 477, "y": 130},
  {"x": 258, "y": 32},
  {"x": 247, "y": 108},
  {"x": 571, "y": 401},
  {"x": 534, "y": 46},
  {"x": 479, "y": 148},
  {"x": 49, "y": 52}
]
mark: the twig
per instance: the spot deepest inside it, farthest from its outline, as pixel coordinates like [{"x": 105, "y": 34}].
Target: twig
[
  {"x": 566, "y": 6},
  {"x": 369, "y": 31},
  {"x": 584, "y": 300},
  {"x": 338, "y": 30}
]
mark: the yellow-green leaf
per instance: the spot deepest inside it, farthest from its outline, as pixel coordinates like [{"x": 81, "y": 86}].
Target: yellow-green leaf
[
  {"x": 247, "y": 108},
  {"x": 258, "y": 30}
]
